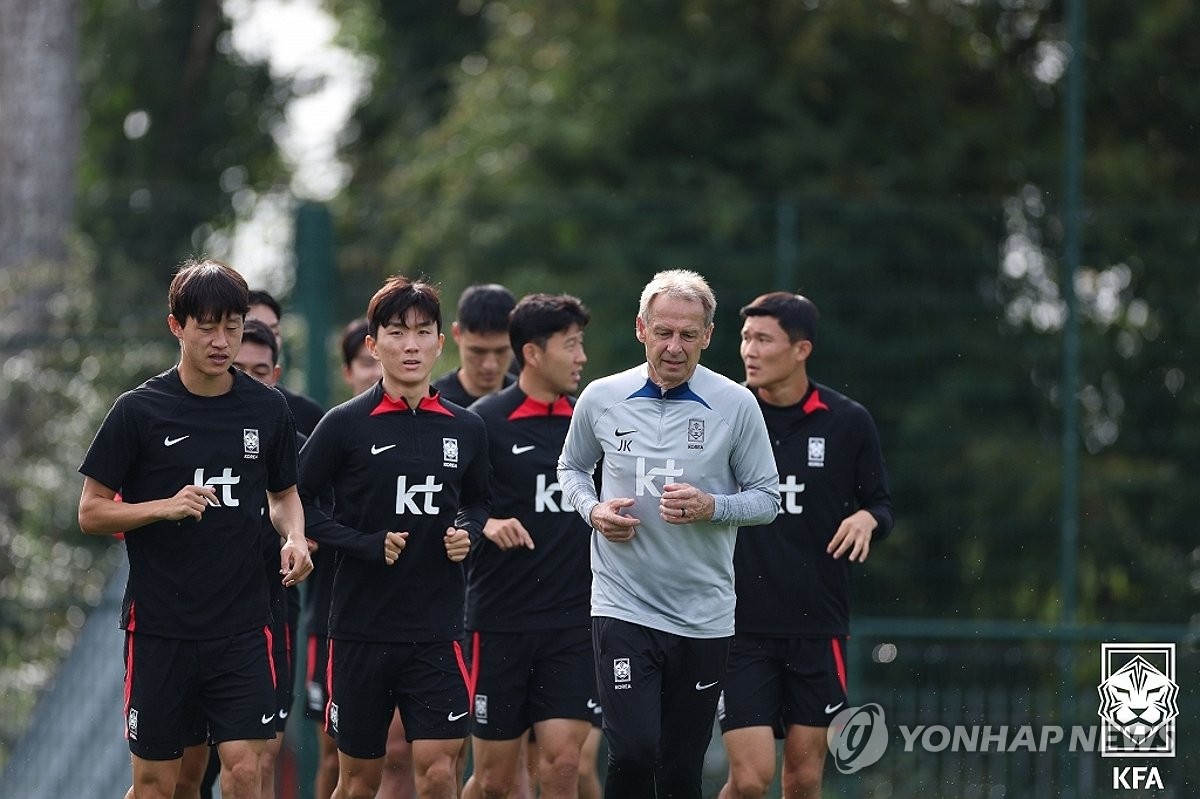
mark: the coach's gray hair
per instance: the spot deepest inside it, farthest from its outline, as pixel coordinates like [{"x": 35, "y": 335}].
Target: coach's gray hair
[{"x": 683, "y": 284}]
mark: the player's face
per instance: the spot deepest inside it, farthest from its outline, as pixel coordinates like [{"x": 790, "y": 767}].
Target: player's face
[
  {"x": 363, "y": 372},
  {"x": 560, "y": 364},
  {"x": 407, "y": 349},
  {"x": 208, "y": 346},
  {"x": 769, "y": 357},
  {"x": 255, "y": 360},
  {"x": 674, "y": 334},
  {"x": 485, "y": 357},
  {"x": 264, "y": 314}
]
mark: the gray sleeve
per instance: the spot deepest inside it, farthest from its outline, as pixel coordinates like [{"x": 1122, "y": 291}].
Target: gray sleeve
[
  {"x": 577, "y": 462},
  {"x": 753, "y": 464}
]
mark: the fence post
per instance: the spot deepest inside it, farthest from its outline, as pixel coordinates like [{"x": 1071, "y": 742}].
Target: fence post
[{"x": 315, "y": 291}]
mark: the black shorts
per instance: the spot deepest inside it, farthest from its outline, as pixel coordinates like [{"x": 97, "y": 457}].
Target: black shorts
[
  {"x": 177, "y": 692},
  {"x": 427, "y": 681},
  {"x": 519, "y": 679},
  {"x": 281, "y": 663},
  {"x": 316, "y": 678},
  {"x": 777, "y": 682}
]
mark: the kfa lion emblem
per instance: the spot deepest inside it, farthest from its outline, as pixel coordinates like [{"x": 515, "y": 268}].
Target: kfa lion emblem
[{"x": 1138, "y": 700}]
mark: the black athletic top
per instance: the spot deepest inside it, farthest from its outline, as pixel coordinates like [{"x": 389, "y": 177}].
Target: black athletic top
[
  {"x": 196, "y": 579},
  {"x": 830, "y": 465},
  {"x": 305, "y": 410},
  {"x": 521, "y": 589},
  {"x": 395, "y": 468},
  {"x": 451, "y": 388}
]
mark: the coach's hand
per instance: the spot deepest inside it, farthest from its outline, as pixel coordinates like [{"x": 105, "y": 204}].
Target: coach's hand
[{"x": 611, "y": 523}]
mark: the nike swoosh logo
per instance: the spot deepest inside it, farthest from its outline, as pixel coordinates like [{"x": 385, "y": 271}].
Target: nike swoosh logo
[
  {"x": 268, "y": 719},
  {"x": 592, "y": 704},
  {"x": 170, "y": 442},
  {"x": 833, "y": 708},
  {"x": 518, "y": 450},
  {"x": 621, "y": 432},
  {"x": 706, "y": 686},
  {"x": 455, "y": 716},
  {"x": 376, "y": 449}
]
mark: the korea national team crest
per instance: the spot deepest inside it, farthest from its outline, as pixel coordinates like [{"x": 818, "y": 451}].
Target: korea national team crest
[
  {"x": 250, "y": 442},
  {"x": 481, "y": 708},
  {"x": 622, "y": 673},
  {"x": 695, "y": 434},
  {"x": 816, "y": 452},
  {"x": 1138, "y": 700},
  {"x": 450, "y": 453}
]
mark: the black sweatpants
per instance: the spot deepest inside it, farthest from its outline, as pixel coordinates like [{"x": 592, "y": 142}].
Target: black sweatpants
[{"x": 659, "y": 693}]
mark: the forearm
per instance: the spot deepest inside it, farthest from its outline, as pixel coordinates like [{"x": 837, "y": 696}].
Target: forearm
[
  {"x": 287, "y": 514},
  {"x": 745, "y": 508},
  {"x": 580, "y": 491},
  {"x": 101, "y": 516}
]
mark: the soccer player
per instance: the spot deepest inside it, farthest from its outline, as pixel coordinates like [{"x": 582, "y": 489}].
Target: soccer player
[
  {"x": 409, "y": 475},
  {"x": 480, "y": 332},
  {"x": 528, "y": 581},
  {"x": 686, "y": 461},
  {"x": 305, "y": 410},
  {"x": 787, "y": 664},
  {"x": 193, "y": 452}
]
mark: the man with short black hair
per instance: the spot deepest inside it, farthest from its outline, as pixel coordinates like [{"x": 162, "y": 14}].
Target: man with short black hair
[
  {"x": 410, "y": 481},
  {"x": 787, "y": 667},
  {"x": 480, "y": 331},
  {"x": 194, "y": 452},
  {"x": 528, "y": 579}
]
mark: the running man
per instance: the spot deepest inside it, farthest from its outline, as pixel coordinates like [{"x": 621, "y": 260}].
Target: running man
[
  {"x": 686, "y": 461},
  {"x": 193, "y": 452},
  {"x": 529, "y": 580},
  {"x": 409, "y": 475},
  {"x": 787, "y": 668}
]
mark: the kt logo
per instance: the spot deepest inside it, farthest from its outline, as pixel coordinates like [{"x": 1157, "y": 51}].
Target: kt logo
[
  {"x": 226, "y": 480},
  {"x": 645, "y": 477}
]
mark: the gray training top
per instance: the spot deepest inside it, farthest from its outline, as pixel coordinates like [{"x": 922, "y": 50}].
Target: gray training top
[{"x": 708, "y": 433}]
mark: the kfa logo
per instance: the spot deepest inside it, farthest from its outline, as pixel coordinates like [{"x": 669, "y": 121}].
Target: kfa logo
[
  {"x": 695, "y": 434},
  {"x": 481, "y": 714},
  {"x": 816, "y": 451},
  {"x": 622, "y": 674},
  {"x": 543, "y": 498},
  {"x": 406, "y": 498},
  {"x": 132, "y": 723},
  {"x": 1138, "y": 700},
  {"x": 250, "y": 442},
  {"x": 645, "y": 477},
  {"x": 226, "y": 480},
  {"x": 789, "y": 493}
]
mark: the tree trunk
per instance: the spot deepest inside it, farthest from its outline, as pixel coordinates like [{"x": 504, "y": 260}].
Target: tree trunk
[{"x": 39, "y": 128}]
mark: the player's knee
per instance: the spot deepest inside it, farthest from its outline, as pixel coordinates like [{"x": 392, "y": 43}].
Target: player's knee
[
  {"x": 748, "y": 784},
  {"x": 242, "y": 778},
  {"x": 562, "y": 765},
  {"x": 438, "y": 776},
  {"x": 803, "y": 779}
]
